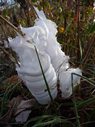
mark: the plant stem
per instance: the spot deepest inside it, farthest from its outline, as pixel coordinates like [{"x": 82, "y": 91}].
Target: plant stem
[
  {"x": 74, "y": 101},
  {"x": 44, "y": 75}
]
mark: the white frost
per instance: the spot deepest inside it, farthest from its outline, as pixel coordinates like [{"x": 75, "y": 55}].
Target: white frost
[{"x": 53, "y": 60}]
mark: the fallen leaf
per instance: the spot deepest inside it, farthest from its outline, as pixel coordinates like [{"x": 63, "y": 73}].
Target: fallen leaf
[
  {"x": 25, "y": 105},
  {"x": 12, "y": 106},
  {"x": 16, "y": 101},
  {"x": 19, "y": 108},
  {"x": 23, "y": 116},
  {"x": 23, "y": 110}
]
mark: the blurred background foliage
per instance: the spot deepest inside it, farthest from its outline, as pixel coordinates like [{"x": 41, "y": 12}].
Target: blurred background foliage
[{"x": 73, "y": 17}]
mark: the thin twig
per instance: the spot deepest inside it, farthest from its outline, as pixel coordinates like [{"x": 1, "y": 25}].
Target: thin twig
[{"x": 11, "y": 25}]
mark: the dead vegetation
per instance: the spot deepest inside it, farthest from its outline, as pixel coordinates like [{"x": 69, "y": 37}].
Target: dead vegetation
[{"x": 76, "y": 34}]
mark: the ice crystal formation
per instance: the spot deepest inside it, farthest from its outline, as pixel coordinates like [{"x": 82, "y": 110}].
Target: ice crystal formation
[{"x": 54, "y": 62}]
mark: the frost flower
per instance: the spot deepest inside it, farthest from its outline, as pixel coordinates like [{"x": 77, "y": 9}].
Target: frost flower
[{"x": 54, "y": 62}]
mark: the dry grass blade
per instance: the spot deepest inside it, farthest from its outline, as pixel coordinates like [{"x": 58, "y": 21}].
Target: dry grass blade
[{"x": 11, "y": 25}]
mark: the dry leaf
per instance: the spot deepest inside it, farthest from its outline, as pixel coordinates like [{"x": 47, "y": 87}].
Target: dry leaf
[
  {"x": 12, "y": 106},
  {"x": 23, "y": 110},
  {"x": 16, "y": 101},
  {"x": 23, "y": 116},
  {"x": 25, "y": 105},
  {"x": 18, "y": 108}
]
